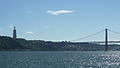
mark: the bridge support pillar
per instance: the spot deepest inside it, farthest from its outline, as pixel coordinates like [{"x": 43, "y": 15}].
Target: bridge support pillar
[{"x": 106, "y": 39}]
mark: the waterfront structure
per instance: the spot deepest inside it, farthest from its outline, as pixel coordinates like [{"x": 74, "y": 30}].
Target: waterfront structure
[{"x": 14, "y": 33}]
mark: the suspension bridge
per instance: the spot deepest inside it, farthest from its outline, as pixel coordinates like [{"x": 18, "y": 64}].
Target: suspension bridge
[{"x": 105, "y": 41}]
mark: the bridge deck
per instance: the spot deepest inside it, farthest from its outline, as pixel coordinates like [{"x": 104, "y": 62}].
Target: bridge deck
[{"x": 102, "y": 42}]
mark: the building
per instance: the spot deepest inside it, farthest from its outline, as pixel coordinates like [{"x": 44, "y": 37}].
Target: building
[{"x": 14, "y": 33}]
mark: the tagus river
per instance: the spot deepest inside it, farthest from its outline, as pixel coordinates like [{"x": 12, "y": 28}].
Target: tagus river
[{"x": 60, "y": 59}]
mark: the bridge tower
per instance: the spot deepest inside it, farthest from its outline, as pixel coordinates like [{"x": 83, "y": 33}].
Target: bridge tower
[
  {"x": 14, "y": 33},
  {"x": 106, "y": 39}
]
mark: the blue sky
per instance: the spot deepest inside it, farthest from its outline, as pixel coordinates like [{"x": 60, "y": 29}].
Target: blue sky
[{"x": 58, "y": 20}]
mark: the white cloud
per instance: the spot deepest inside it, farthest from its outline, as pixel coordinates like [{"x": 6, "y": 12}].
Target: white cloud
[
  {"x": 59, "y": 12},
  {"x": 46, "y": 27},
  {"x": 30, "y": 32},
  {"x": 11, "y": 26},
  {"x": 29, "y": 12}
]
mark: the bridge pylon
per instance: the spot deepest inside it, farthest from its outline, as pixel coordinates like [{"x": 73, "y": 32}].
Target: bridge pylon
[{"x": 106, "y": 39}]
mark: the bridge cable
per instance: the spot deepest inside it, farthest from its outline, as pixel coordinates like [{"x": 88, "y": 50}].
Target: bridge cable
[
  {"x": 114, "y": 31},
  {"x": 88, "y": 36}
]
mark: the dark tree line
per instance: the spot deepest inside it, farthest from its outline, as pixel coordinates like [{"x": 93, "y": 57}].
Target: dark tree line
[{"x": 10, "y": 44}]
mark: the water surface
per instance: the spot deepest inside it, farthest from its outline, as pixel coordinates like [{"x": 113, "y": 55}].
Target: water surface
[{"x": 60, "y": 59}]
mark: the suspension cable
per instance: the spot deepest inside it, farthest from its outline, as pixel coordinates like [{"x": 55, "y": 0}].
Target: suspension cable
[
  {"x": 114, "y": 31},
  {"x": 88, "y": 36}
]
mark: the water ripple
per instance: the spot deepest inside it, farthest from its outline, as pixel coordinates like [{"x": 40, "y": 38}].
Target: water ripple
[{"x": 60, "y": 59}]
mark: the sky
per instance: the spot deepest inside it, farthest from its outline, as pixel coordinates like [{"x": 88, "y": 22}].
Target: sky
[{"x": 59, "y": 20}]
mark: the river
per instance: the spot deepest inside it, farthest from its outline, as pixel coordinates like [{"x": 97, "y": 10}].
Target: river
[{"x": 60, "y": 59}]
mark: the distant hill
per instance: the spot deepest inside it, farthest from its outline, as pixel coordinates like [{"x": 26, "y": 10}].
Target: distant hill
[{"x": 10, "y": 44}]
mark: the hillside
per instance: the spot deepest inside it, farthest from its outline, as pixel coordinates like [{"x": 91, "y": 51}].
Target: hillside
[{"x": 10, "y": 44}]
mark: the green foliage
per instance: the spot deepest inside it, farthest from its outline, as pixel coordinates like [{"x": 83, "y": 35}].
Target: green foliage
[{"x": 8, "y": 43}]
